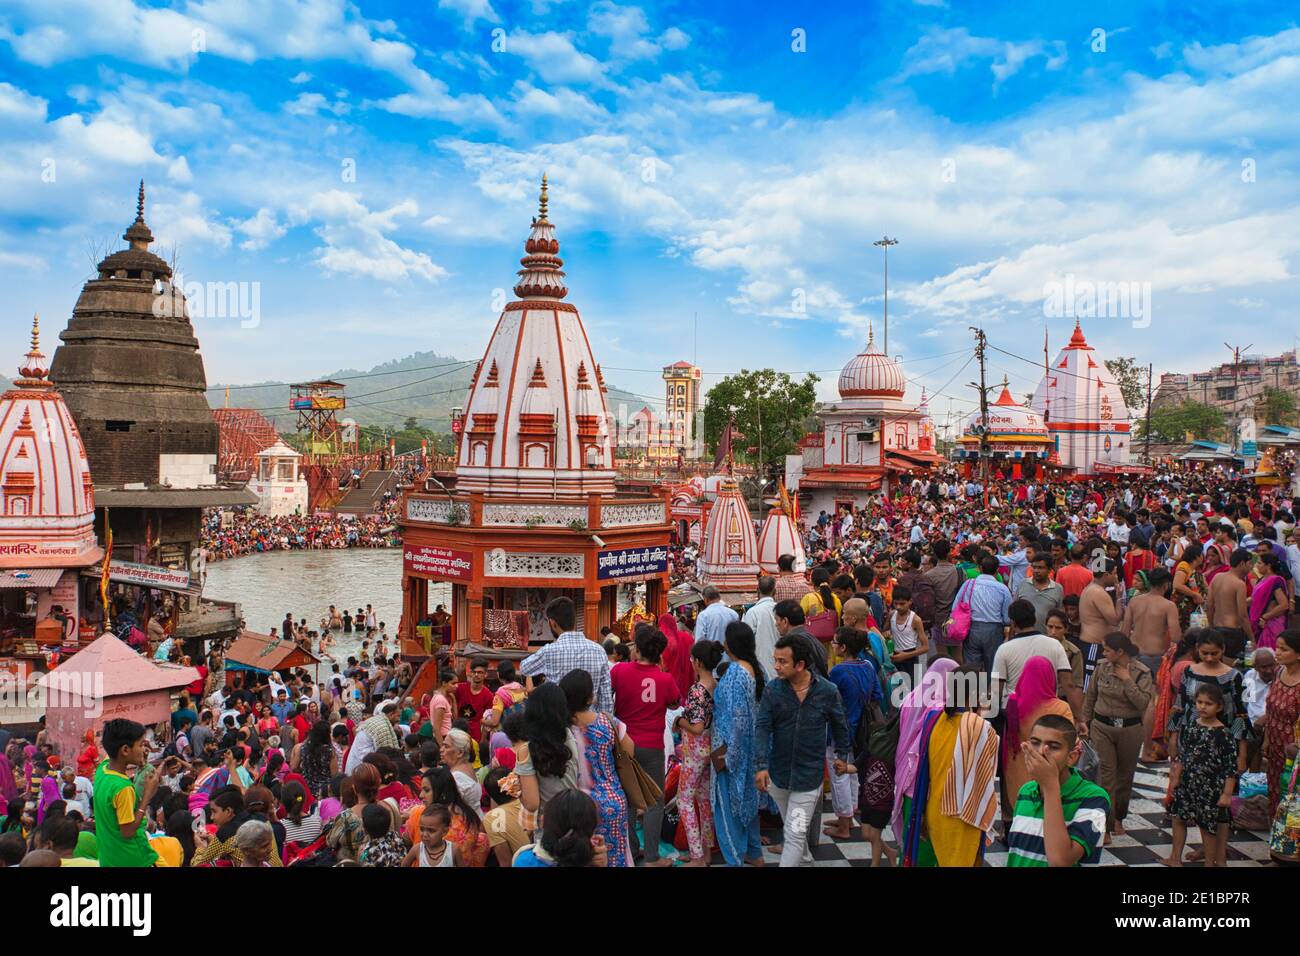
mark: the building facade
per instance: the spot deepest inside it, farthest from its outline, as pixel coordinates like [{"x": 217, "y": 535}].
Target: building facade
[
  {"x": 1232, "y": 388},
  {"x": 868, "y": 440}
]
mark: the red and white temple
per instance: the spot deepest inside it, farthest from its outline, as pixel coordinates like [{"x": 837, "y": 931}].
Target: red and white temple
[
  {"x": 1083, "y": 408},
  {"x": 868, "y": 439},
  {"x": 729, "y": 555},
  {"x": 47, "y": 524},
  {"x": 1019, "y": 445},
  {"x": 531, "y": 511},
  {"x": 777, "y": 537}
]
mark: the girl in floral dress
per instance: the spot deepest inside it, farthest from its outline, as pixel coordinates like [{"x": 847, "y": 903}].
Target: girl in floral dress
[
  {"x": 695, "y": 787},
  {"x": 1205, "y": 777},
  {"x": 597, "y": 735}
]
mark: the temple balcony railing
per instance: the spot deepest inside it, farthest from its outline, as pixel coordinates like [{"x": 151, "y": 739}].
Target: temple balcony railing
[{"x": 594, "y": 513}]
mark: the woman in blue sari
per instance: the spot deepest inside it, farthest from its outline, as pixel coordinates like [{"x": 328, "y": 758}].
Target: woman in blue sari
[{"x": 735, "y": 796}]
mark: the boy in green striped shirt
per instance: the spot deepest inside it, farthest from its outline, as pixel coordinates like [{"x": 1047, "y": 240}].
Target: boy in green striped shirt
[{"x": 1059, "y": 817}]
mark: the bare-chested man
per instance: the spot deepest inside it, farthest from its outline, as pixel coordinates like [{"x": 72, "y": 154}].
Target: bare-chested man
[
  {"x": 1098, "y": 613},
  {"x": 1226, "y": 608},
  {"x": 1151, "y": 622},
  {"x": 1151, "y": 619}
]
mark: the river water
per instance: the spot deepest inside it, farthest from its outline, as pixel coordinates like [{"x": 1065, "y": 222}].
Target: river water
[{"x": 306, "y": 583}]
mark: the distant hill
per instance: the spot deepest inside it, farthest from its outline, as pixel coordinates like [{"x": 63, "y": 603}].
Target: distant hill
[{"x": 425, "y": 386}]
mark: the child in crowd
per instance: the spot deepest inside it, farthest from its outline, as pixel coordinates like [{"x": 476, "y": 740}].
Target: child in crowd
[
  {"x": 433, "y": 848},
  {"x": 384, "y": 845},
  {"x": 1204, "y": 779}
]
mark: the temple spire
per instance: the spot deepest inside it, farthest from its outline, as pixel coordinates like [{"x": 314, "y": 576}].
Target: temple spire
[
  {"x": 541, "y": 201},
  {"x": 871, "y": 335},
  {"x": 137, "y": 234},
  {"x": 33, "y": 373}
]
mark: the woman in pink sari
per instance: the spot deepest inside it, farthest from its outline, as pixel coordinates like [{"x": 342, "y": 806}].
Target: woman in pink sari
[
  {"x": 1034, "y": 697},
  {"x": 1270, "y": 605}
]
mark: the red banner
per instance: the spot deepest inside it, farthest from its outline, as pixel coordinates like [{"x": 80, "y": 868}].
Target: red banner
[{"x": 437, "y": 562}]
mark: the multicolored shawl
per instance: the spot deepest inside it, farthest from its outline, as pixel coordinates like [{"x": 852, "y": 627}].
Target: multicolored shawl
[
  {"x": 969, "y": 793},
  {"x": 926, "y": 699}
]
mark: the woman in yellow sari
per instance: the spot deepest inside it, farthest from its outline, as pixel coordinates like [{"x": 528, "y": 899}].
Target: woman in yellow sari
[{"x": 955, "y": 797}]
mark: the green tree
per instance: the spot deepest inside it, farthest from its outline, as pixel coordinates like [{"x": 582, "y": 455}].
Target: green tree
[
  {"x": 771, "y": 410},
  {"x": 1275, "y": 406},
  {"x": 1172, "y": 423},
  {"x": 1131, "y": 379}
]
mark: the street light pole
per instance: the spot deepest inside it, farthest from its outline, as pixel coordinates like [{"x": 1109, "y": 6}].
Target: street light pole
[{"x": 885, "y": 242}]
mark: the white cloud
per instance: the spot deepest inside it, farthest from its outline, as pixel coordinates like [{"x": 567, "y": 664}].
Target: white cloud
[
  {"x": 561, "y": 102},
  {"x": 20, "y": 106},
  {"x": 106, "y": 140},
  {"x": 261, "y": 229},
  {"x": 300, "y": 77},
  {"x": 943, "y": 50},
  {"x": 181, "y": 218},
  {"x": 554, "y": 58},
  {"x": 356, "y": 240},
  {"x": 628, "y": 32},
  {"x": 178, "y": 170},
  {"x": 471, "y": 11},
  {"x": 1249, "y": 54}
]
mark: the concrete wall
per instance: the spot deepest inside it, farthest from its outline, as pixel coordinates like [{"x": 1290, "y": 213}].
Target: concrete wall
[{"x": 67, "y": 725}]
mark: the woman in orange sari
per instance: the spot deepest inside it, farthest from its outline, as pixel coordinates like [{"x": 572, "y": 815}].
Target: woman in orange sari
[{"x": 1034, "y": 697}]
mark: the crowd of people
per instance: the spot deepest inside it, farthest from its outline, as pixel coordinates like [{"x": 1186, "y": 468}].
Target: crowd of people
[
  {"x": 948, "y": 675},
  {"x": 247, "y": 531}
]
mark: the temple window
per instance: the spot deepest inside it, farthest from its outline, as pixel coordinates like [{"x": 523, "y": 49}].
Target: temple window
[{"x": 117, "y": 425}]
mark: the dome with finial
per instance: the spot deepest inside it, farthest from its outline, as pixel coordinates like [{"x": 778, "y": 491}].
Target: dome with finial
[
  {"x": 129, "y": 367},
  {"x": 47, "y": 499},
  {"x": 540, "y": 277},
  {"x": 135, "y": 261},
  {"x": 871, "y": 374},
  {"x": 536, "y": 422}
]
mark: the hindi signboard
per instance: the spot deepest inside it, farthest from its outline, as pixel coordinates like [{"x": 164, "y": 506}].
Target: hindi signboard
[
  {"x": 625, "y": 563},
  {"x": 149, "y": 576},
  {"x": 437, "y": 562}
]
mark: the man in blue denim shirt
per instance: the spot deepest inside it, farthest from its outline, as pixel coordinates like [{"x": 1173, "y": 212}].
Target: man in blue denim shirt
[{"x": 796, "y": 713}]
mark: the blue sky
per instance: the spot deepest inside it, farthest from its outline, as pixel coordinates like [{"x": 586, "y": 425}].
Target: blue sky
[{"x": 700, "y": 166}]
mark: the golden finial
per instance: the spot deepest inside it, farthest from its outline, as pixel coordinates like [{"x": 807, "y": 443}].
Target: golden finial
[
  {"x": 541, "y": 205},
  {"x": 871, "y": 335},
  {"x": 139, "y": 204},
  {"x": 36, "y": 332}
]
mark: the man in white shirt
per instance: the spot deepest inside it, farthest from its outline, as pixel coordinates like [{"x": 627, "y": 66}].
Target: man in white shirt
[
  {"x": 1025, "y": 642},
  {"x": 761, "y": 619},
  {"x": 711, "y": 623},
  {"x": 1255, "y": 686}
]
